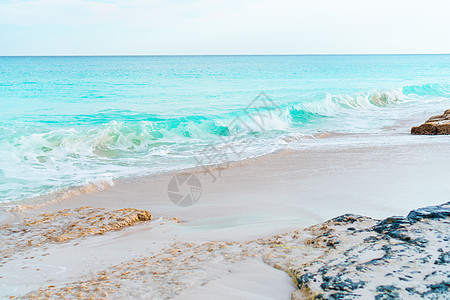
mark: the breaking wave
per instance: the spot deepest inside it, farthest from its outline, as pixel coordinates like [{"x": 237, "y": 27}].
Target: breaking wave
[{"x": 117, "y": 143}]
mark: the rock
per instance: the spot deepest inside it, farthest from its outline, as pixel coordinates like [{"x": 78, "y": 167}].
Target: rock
[
  {"x": 395, "y": 258},
  {"x": 387, "y": 292},
  {"x": 436, "y": 125},
  {"x": 66, "y": 225},
  {"x": 443, "y": 259},
  {"x": 430, "y": 212},
  {"x": 348, "y": 257},
  {"x": 347, "y": 218},
  {"x": 338, "y": 284},
  {"x": 438, "y": 289},
  {"x": 395, "y": 227}
]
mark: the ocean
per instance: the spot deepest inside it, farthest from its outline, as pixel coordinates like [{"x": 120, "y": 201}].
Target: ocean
[{"x": 73, "y": 121}]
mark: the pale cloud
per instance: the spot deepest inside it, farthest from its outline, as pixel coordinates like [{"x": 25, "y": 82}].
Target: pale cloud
[
  {"x": 73, "y": 12},
  {"x": 221, "y": 27}
]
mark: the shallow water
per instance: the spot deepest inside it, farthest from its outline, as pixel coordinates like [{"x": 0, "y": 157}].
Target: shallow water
[{"x": 68, "y": 121}]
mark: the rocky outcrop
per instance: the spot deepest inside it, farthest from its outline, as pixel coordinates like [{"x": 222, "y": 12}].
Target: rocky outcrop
[
  {"x": 348, "y": 257},
  {"x": 436, "y": 125},
  {"x": 397, "y": 258},
  {"x": 65, "y": 225}
]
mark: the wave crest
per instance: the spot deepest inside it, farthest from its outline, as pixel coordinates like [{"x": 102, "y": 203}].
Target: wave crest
[{"x": 122, "y": 143}]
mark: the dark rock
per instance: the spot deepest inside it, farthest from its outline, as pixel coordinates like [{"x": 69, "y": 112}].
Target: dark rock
[
  {"x": 440, "y": 288},
  {"x": 336, "y": 283},
  {"x": 389, "y": 296},
  {"x": 430, "y": 212},
  {"x": 443, "y": 259},
  {"x": 395, "y": 258},
  {"x": 391, "y": 224},
  {"x": 435, "y": 125},
  {"x": 372, "y": 239},
  {"x": 386, "y": 288},
  {"x": 339, "y": 296},
  {"x": 395, "y": 227},
  {"x": 305, "y": 278},
  {"x": 386, "y": 292},
  {"x": 347, "y": 218},
  {"x": 333, "y": 241}
]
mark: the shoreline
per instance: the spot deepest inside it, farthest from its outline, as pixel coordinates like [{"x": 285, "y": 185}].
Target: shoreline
[
  {"x": 313, "y": 142},
  {"x": 254, "y": 199},
  {"x": 344, "y": 143},
  {"x": 287, "y": 157}
]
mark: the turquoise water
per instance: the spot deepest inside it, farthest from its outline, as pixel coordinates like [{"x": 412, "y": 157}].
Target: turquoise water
[{"x": 70, "y": 121}]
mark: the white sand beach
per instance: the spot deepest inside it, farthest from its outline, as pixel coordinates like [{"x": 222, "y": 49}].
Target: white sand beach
[{"x": 253, "y": 199}]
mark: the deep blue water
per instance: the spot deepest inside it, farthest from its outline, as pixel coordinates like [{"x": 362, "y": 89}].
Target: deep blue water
[{"x": 68, "y": 121}]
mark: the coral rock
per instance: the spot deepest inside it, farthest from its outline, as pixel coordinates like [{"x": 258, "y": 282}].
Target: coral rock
[{"x": 436, "y": 125}]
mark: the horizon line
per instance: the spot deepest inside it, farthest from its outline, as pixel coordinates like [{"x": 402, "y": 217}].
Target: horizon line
[{"x": 159, "y": 55}]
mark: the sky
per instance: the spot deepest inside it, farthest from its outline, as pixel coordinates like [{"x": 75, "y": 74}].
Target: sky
[{"x": 198, "y": 27}]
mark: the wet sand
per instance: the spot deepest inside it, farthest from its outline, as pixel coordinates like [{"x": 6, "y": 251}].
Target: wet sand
[
  {"x": 253, "y": 199},
  {"x": 289, "y": 189}
]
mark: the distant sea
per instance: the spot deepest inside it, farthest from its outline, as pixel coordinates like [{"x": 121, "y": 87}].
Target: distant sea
[{"x": 71, "y": 121}]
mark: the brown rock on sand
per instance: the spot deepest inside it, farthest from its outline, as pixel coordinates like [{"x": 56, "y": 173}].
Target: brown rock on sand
[{"x": 436, "y": 125}]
